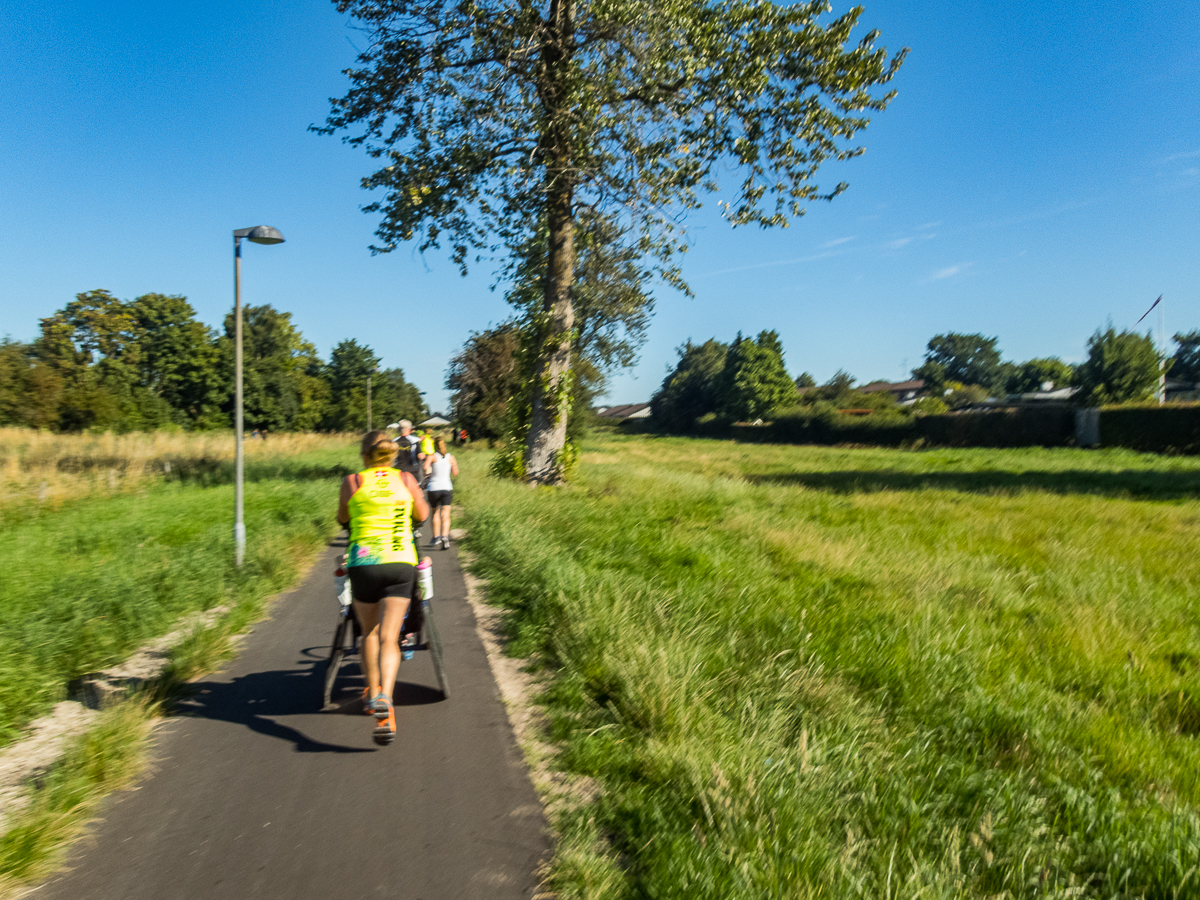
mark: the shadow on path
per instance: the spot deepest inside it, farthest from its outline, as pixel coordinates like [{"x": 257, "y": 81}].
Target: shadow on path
[
  {"x": 1127, "y": 484},
  {"x": 257, "y": 699}
]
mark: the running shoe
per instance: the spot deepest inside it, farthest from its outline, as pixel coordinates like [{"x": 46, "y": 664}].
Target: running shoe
[
  {"x": 407, "y": 646},
  {"x": 385, "y": 730},
  {"x": 368, "y": 703}
]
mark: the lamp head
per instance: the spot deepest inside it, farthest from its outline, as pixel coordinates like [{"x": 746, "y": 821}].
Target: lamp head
[{"x": 260, "y": 234}]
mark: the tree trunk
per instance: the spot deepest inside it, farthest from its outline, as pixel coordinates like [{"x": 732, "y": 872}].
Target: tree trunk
[
  {"x": 552, "y": 370},
  {"x": 552, "y": 373}
]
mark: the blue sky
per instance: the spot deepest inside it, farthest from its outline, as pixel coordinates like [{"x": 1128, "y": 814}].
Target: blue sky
[{"x": 1037, "y": 175}]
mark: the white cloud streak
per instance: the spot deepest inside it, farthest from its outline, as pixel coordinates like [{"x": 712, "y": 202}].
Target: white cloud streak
[
  {"x": 950, "y": 271},
  {"x": 1175, "y": 157},
  {"x": 768, "y": 265}
]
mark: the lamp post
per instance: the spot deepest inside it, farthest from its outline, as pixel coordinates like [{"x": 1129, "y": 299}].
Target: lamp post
[{"x": 259, "y": 234}]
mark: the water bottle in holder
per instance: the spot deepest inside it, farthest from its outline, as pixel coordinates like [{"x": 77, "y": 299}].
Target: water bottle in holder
[
  {"x": 341, "y": 583},
  {"x": 425, "y": 577}
]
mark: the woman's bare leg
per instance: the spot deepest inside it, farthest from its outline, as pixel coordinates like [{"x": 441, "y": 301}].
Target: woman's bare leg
[
  {"x": 368, "y": 620},
  {"x": 394, "y": 609}
]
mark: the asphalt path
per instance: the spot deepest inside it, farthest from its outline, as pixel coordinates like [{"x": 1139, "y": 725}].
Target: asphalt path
[{"x": 255, "y": 792}]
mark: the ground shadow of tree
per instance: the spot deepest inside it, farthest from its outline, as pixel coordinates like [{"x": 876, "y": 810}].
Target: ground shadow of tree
[{"x": 1127, "y": 484}]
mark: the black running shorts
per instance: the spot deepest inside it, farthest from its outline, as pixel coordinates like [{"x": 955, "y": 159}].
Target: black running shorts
[
  {"x": 370, "y": 584},
  {"x": 438, "y": 499}
]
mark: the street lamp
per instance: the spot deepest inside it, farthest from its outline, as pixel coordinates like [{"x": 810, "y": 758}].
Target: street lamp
[{"x": 259, "y": 234}]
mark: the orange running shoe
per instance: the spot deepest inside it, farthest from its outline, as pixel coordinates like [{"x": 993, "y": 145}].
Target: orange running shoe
[
  {"x": 385, "y": 730},
  {"x": 368, "y": 703}
]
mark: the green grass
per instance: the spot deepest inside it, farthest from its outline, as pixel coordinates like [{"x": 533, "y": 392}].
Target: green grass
[
  {"x": 822, "y": 672},
  {"x": 108, "y": 756},
  {"x": 88, "y": 583}
]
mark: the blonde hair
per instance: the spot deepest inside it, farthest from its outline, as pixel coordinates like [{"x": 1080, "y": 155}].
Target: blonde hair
[
  {"x": 377, "y": 448},
  {"x": 440, "y": 444}
]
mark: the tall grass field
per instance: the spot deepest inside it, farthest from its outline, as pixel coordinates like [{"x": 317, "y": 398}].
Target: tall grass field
[
  {"x": 799, "y": 672},
  {"x": 108, "y": 541}
]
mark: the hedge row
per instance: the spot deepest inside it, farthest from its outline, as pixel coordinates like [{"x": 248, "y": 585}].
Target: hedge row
[
  {"x": 1152, "y": 429},
  {"x": 993, "y": 428}
]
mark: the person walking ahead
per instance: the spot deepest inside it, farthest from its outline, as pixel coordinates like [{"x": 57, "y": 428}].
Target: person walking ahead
[
  {"x": 441, "y": 466},
  {"x": 379, "y": 504}
]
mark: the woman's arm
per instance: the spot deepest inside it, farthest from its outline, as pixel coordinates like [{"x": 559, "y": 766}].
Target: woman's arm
[
  {"x": 453, "y": 466},
  {"x": 350, "y": 484},
  {"x": 420, "y": 507}
]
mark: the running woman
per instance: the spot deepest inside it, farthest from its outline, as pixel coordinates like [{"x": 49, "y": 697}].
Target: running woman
[
  {"x": 379, "y": 504},
  {"x": 441, "y": 466}
]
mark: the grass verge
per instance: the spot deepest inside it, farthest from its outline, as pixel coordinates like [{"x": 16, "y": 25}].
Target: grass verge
[
  {"x": 820, "y": 672},
  {"x": 89, "y": 582},
  {"x": 107, "y": 757}
]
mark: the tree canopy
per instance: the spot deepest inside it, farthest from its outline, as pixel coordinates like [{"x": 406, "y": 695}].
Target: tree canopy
[
  {"x": 754, "y": 382},
  {"x": 1185, "y": 364},
  {"x": 484, "y": 379},
  {"x": 970, "y": 359},
  {"x": 103, "y": 363},
  {"x": 692, "y": 389},
  {"x": 494, "y": 121},
  {"x": 1121, "y": 366},
  {"x": 1029, "y": 376}
]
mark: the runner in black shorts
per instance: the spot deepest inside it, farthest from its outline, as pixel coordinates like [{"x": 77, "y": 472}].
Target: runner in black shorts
[
  {"x": 441, "y": 466},
  {"x": 379, "y": 504}
]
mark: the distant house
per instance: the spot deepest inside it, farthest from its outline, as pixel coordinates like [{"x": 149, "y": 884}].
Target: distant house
[
  {"x": 1182, "y": 390},
  {"x": 903, "y": 391},
  {"x": 627, "y": 411},
  {"x": 1046, "y": 395}
]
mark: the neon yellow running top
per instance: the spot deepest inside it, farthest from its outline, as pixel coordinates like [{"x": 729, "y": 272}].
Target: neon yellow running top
[
  {"x": 381, "y": 520},
  {"x": 426, "y": 444}
]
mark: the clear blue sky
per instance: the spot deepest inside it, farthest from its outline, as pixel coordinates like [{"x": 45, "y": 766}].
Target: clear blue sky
[{"x": 1037, "y": 175}]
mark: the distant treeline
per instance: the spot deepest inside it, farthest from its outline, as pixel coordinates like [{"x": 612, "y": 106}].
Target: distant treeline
[
  {"x": 101, "y": 363},
  {"x": 715, "y": 383}
]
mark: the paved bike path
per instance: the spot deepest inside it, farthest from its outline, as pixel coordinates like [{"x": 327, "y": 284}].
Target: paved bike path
[{"x": 256, "y": 793}]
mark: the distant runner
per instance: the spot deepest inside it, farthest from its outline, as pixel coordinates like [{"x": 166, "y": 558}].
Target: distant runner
[
  {"x": 406, "y": 458},
  {"x": 441, "y": 466},
  {"x": 426, "y": 448}
]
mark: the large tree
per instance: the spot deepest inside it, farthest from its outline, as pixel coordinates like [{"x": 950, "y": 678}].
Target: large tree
[
  {"x": 611, "y": 300},
  {"x": 1122, "y": 366},
  {"x": 494, "y": 120},
  {"x": 178, "y": 359},
  {"x": 1185, "y": 365},
  {"x": 965, "y": 358},
  {"x": 754, "y": 381},
  {"x": 285, "y": 388},
  {"x": 1030, "y": 376},
  {"x": 95, "y": 347},
  {"x": 484, "y": 378},
  {"x": 693, "y": 388}
]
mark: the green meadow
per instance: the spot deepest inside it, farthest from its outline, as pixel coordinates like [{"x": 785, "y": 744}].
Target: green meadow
[
  {"x": 822, "y": 672},
  {"x": 131, "y": 540}
]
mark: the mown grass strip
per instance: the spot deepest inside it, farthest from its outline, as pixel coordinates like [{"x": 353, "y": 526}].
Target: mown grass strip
[{"x": 823, "y": 672}]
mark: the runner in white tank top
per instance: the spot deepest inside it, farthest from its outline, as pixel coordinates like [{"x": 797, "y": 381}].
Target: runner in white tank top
[{"x": 441, "y": 467}]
